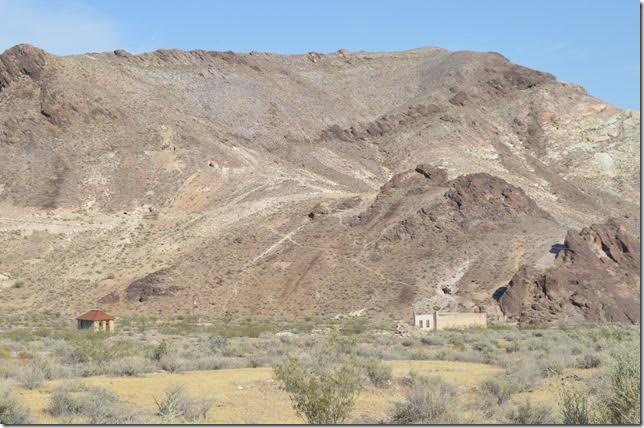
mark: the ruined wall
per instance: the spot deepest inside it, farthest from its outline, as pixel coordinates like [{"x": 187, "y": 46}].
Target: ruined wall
[{"x": 447, "y": 320}]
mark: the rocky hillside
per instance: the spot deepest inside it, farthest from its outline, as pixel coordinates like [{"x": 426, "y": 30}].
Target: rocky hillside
[
  {"x": 596, "y": 277},
  {"x": 293, "y": 185}
]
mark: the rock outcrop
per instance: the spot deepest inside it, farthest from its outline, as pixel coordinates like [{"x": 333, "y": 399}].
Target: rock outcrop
[
  {"x": 150, "y": 286},
  {"x": 21, "y": 61},
  {"x": 481, "y": 197},
  {"x": 595, "y": 279}
]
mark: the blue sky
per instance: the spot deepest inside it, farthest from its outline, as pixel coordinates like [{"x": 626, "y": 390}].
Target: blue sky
[{"x": 589, "y": 42}]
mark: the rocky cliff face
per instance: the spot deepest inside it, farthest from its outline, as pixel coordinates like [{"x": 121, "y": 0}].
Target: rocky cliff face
[
  {"x": 288, "y": 185},
  {"x": 595, "y": 279}
]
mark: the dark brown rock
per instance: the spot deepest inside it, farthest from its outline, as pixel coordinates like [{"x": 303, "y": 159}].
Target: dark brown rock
[
  {"x": 150, "y": 286},
  {"x": 459, "y": 99},
  {"x": 596, "y": 279},
  {"x": 485, "y": 197},
  {"x": 110, "y": 298},
  {"x": 318, "y": 210},
  {"x": 437, "y": 175},
  {"x": 21, "y": 60},
  {"x": 524, "y": 78},
  {"x": 122, "y": 53}
]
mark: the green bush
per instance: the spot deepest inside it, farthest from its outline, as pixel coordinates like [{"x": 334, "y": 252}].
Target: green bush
[
  {"x": 12, "y": 412},
  {"x": 320, "y": 395},
  {"x": 429, "y": 400}
]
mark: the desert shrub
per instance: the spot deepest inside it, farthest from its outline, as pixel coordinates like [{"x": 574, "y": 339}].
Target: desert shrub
[
  {"x": 266, "y": 360},
  {"x": 9, "y": 371},
  {"x": 473, "y": 357},
  {"x": 242, "y": 328},
  {"x": 120, "y": 348},
  {"x": 320, "y": 393},
  {"x": 217, "y": 343},
  {"x": 498, "y": 389},
  {"x": 429, "y": 400},
  {"x": 407, "y": 343},
  {"x": 178, "y": 405},
  {"x": 91, "y": 369},
  {"x": 378, "y": 374},
  {"x": 528, "y": 413},
  {"x": 130, "y": 366},
  {"x": 514, "y": 346},
  {"x": 85, "y": 348},
  {"x": 207, "y": 363},
  {"x": 170, "y": 363},
  {"x": 457, "y": 343},
  {"x": 482, "y": 346},
  {"x": 163, "y": 349},
  {"x": 77, "y": 402},
  {"x": 31, "y": 377},
  {"x": 355, "y": 326},
  {"x": 64, "y": 403},
  {"x": 432, "y": 340},
  {"x": 620, "y": 401},
  {"x": 523, "y": 377},
  {"x": 421, "y": 355},
  {"x": 574, "y": 406},
  {"x": 551, "y": 367},
  {"x": 12, "y": 411},
  {"x": 588, "y": 361},
  {"x": 5, "y": 351},
  {"x": 51, "y": 369}
]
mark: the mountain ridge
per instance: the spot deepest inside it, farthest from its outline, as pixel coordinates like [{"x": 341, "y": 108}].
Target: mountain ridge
[{"x": 158, "y": 168}]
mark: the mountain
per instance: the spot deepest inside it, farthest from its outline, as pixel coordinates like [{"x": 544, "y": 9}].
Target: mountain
[{"x": 262, "y": 184}]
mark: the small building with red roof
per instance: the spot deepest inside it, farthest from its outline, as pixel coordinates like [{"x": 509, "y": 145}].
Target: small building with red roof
[{"x": 95, "y": 320}]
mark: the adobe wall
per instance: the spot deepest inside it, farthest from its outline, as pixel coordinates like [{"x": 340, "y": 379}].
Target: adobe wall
[{"x": 460, "y": 320}]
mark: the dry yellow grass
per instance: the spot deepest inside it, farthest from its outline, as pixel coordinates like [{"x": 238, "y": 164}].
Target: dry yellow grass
[{"x": 251, "y": 395}]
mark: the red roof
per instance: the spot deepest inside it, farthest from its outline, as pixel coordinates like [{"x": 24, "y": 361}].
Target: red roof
[{"x": 95, "y": 316}]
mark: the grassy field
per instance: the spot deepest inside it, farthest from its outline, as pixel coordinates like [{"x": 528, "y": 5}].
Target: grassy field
[{"x": 499, "y": 375}]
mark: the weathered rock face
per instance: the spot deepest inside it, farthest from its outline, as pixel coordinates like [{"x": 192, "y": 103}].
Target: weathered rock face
[
  {"x": 484, "y": 197},
  {"x": 295, "y": 185},
  {"x": 150, "y": 286},
  {"x": 19, "y": 61},
  {"x": 596, "y": 278}
]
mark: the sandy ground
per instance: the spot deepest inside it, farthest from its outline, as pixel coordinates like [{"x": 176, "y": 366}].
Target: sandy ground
[{"x": 252, "y": 395}]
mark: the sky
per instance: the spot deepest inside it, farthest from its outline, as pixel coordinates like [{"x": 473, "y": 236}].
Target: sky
[{"x": 594, "y": 43}]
